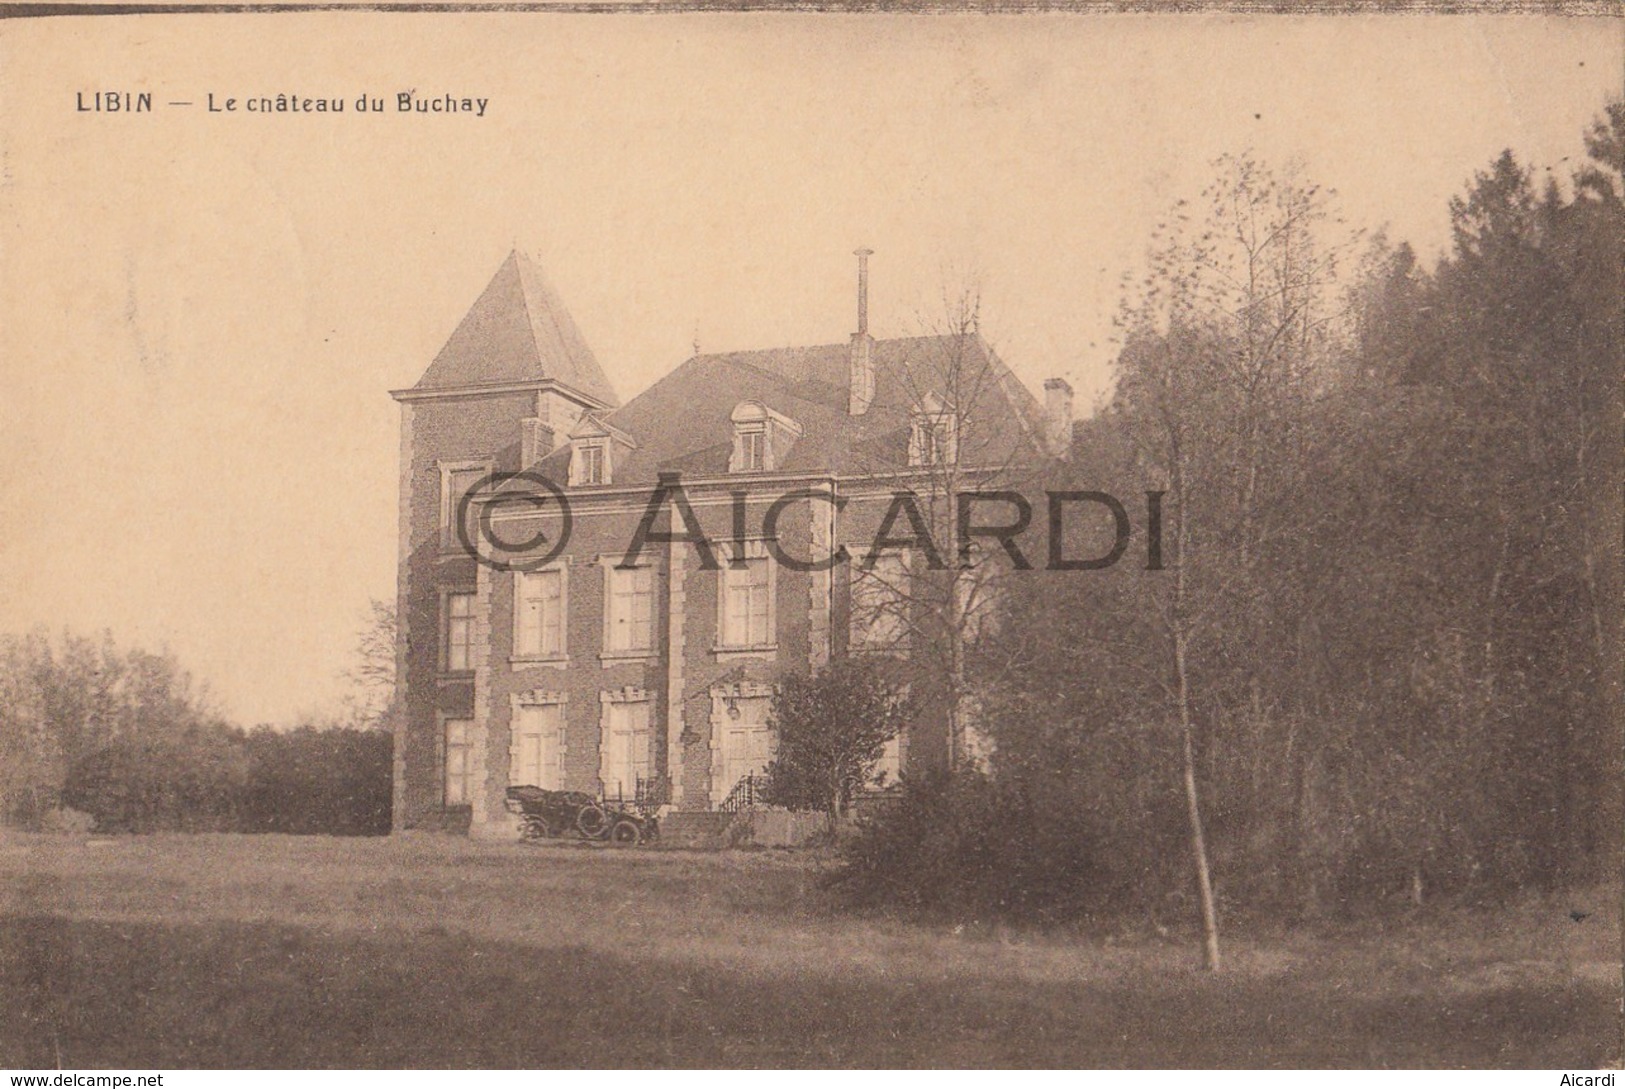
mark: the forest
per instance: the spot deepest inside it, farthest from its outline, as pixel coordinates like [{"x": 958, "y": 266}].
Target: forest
[
  {"x": 94, "y": 736},
  {"x": 1381, "y": 667}
]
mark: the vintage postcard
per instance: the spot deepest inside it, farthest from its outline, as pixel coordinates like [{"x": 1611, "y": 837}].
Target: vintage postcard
[{"x": 575, "y": 537}]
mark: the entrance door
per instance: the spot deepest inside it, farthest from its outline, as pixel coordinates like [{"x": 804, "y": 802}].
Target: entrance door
[{"x": 747, "y": 745}]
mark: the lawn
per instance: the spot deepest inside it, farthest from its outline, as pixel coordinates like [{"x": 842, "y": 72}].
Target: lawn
[{"x": 420, "y": 951}]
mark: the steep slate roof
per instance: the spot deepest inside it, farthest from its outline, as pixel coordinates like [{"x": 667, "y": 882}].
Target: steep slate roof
[
  {"x": 518, "y": 331},
  {"x": 682, "y": 423}
]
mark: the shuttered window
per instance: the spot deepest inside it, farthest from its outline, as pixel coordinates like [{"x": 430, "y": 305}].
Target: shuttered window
[
  {"x": 538, "y": 747},
  {"x": 628, "y": 748},
  {"x": 879, "y": 601},
  {"x": 541, "y": 614},
  {"x": 630, "y": 609}
]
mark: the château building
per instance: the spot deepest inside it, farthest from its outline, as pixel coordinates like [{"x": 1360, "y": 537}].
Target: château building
[{"x": 653, "y": 678}]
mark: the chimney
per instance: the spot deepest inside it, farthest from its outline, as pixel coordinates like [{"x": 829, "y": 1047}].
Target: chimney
[
  {"x": 861, "y": 358},
  {"x": 1058, "y": 417}
]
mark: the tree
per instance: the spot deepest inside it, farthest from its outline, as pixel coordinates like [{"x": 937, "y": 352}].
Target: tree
[
  {"x": 1525, "y": 344},
  {"x": 371, "y": 674},
  {"x": 68, "y": 698},
  {"x": 127, "y": 736},
  {"x": 969, "y": 433},
  {"x": 31, "y": 757},
  {"x": 193, "y": 782},
  {"x": 318, "y": 778},
  {"x": 832, "y": 727},
  {"x": 1227, "y": 342}
]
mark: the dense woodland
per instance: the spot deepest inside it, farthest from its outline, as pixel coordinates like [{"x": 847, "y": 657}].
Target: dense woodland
[
  {"x": 96, "y": 736},
  {"x": 1380, "y": 665}
]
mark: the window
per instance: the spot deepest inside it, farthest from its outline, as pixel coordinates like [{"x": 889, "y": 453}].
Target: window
[
  {"x": 592, "y": 465},
  {"x": 595, "y": 448},
  {"x": 761, "y": 438},
  {"x": 539, "y": 627},
  {"x": 459, "y": 747},
  {"x": 629, "y": 610},
  {"x": 978, "y": 594},
  {"x": 934, "y": 435},
  {"x": 879, "y": 603},
  {"x": 976, "y": 744},
  {"x": 747, "y": 608},
  {"x": 753, "y": 451},
  {"x": 889, "y": 767},
  {"x": 538, "y": 747},
  {"x": 455, "y": 481},
  {"x": 627, "y": 748},
  {"x": 459, "y": 628}
]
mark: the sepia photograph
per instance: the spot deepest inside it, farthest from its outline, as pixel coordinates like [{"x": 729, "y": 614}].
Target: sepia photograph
[{"x": 589, "y": 539}]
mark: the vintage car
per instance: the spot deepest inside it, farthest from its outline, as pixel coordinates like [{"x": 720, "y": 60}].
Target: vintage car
[{"x": 550, "y": 814}]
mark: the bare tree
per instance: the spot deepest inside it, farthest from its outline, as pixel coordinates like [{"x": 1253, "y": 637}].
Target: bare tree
[
  {"x": 968, "y": 435},
  {"x": 1228, "y": 339},
  {"x": 371, "y": 673}
]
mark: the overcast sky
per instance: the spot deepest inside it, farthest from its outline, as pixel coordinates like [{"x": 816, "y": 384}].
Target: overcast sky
[{"x": 203, "y": 313}]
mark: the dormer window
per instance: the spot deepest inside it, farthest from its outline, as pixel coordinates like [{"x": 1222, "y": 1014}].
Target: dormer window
[
  {"x": 934, "y": 434},
  {"x": 753, "y": 451},
  {"x": 596, "y": 450},
  {"x": 592, "y": 465},
  {"x": 761, "y": 439},
  {"x": 934, "y": 445}
]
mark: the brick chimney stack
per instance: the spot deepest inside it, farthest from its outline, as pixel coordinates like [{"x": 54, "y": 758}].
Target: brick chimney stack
[
  {"x": 1058, "y": 417},
  {"x": 861, "y": 358}
]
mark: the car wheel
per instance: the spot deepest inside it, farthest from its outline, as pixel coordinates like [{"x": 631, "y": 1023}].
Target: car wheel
[{"x": 592, "y": 821}]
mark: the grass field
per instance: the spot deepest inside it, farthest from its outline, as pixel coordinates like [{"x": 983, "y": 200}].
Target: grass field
[{"x": 211, "y": 951}]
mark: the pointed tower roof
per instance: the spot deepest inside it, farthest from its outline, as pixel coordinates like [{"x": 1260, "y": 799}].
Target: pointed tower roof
[{"x": 518, "y": 331}]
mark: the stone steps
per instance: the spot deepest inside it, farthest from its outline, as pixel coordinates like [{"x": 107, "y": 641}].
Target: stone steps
[
  {"x": 713, "y": 831},
  {"x": 695, "y": 830}
]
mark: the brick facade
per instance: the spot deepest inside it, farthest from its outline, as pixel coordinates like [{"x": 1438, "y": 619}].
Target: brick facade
[{"x": 506, "y": 394}]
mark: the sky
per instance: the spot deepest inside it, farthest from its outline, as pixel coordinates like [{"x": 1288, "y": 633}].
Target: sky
[{"x": 204, "y": 312}]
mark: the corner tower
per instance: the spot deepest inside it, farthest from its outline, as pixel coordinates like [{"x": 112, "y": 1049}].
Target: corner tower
[{"x": 506, "y": 389}]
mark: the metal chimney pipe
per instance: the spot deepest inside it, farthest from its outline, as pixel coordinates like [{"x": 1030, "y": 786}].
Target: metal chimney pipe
[{"x": 863, "y": 289}]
